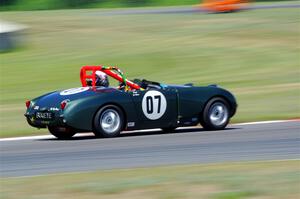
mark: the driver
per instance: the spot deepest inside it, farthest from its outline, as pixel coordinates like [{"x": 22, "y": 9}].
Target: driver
[{"x": 101, "y": 79}]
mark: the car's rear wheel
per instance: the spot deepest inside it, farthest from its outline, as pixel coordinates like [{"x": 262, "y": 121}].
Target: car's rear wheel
[
  {"x": 216, "y": 114},
  {"x": 108, "y": 121},
  {"x": 62, "y": 132}
]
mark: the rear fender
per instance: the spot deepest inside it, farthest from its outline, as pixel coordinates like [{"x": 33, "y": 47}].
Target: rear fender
[{"x": 80, "y": 113}]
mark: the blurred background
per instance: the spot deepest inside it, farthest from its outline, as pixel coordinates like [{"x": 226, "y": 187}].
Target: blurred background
[
  {"x": 253, "y": 53},
  {"x": 57, "y": 4}
]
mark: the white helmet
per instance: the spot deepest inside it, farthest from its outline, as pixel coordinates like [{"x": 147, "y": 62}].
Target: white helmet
[{"x": 101, "y": 79}]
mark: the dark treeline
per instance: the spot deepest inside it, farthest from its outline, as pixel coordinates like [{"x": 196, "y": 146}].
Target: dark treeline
[{"x": 73, "y": 3}]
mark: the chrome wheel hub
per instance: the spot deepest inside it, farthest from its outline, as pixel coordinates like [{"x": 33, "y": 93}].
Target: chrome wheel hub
[
  {"x": 218, "y": 114},
  {"x": 110, "y": 121}
]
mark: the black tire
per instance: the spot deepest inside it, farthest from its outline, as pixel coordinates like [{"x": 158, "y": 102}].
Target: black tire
[
  {"x": 168, "y": 129},
  {"x": 104, "y": 117},
  {"x": 212, "y": 117},
  {"x": 62, "y": 133}
]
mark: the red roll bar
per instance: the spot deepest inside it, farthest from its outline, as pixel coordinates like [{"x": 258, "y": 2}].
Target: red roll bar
[{"x": 89, "y": 72}]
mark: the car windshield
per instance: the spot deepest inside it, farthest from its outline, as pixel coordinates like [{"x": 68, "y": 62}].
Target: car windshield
[{"x": 146, "y": 84}]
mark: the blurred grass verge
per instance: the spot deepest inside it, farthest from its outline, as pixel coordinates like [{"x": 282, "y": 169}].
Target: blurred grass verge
[
  {"x": 254, "y": 54},
  {"x": 14, "y": 5},
  {"x": 268, "y": 179},
  {"x": 67, "y": 4}
]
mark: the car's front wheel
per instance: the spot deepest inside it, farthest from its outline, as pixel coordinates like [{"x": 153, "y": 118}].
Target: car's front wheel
[
  {"x": 108, "y": 121},
  {"x": 62, "y": 132},
  {"x": 216, "y": 114}
]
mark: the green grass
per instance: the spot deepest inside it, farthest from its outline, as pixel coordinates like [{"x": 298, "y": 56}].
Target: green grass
[
  {"x": 56, "y": 4},
  {"x": 279, "y": 179},
  {"x": 20, "y": 5},
  {"x": 254, "y": 54}
]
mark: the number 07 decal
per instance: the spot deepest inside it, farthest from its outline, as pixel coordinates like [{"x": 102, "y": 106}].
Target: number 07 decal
[{"x": 154, "y": 105}]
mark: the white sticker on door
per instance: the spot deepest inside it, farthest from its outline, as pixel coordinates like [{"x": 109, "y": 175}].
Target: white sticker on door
[{"x": 154, "y": 105}]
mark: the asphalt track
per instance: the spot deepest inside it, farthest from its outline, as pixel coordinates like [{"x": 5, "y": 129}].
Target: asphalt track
[
  {"x": 182, "y": 9},
  {"x": 248, "y": 142}
]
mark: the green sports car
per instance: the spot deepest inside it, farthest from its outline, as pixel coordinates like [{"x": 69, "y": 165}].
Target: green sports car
[{"x": 134, "y": 105}]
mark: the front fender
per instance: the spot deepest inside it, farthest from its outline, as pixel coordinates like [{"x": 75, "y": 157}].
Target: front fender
[{"x": 193, "y": 100}]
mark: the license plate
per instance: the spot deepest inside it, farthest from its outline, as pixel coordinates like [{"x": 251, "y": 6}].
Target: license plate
[{"x": 44, "y": 115}]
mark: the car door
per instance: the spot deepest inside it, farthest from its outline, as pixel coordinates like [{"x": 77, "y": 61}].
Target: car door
[{"x": 156, "y": 108}]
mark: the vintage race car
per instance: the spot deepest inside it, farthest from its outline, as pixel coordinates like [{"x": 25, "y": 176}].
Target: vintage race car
[{"x": 138, "y": 104}]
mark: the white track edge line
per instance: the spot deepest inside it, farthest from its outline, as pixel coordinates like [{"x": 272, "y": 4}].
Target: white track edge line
[
  {"x": 262, "y": 122},
  {"x": 36, "y": 137}
]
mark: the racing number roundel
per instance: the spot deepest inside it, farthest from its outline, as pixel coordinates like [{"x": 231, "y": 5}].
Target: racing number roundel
[
  {"x": 154, "y": 105},
  {"x": 72, "y": 91}
]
